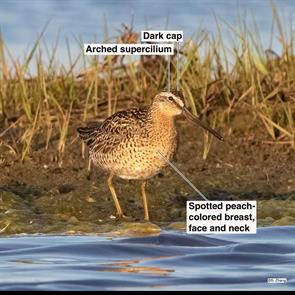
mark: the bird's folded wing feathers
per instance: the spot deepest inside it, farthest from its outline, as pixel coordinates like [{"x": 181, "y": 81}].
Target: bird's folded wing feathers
[{"x": 104, "y": 137}]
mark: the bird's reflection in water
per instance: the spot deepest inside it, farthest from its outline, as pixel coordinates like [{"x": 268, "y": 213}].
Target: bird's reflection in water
[{"x": 129, "y": 267}]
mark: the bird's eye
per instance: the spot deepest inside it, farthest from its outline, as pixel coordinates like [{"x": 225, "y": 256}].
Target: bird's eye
[{"x": 170, "y": 98}]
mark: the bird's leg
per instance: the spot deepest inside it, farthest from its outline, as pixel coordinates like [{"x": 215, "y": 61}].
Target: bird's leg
[
  {"x": 116, "y": 201},
  {"x": 145, "y": 204},
  {"x": 113, "y": 192}
]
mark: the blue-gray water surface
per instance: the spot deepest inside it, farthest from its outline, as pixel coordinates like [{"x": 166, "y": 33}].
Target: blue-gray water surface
[{"x": 169, "y": 261}]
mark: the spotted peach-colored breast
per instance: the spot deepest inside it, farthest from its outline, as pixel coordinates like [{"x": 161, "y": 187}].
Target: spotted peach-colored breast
[{"x": 137, "y": 157}]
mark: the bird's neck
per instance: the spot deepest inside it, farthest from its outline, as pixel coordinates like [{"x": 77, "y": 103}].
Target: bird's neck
[{"x": 159, "y": 118}]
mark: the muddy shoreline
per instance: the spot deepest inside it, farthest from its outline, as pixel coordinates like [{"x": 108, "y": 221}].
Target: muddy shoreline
[{"x": 39, "y": 196}]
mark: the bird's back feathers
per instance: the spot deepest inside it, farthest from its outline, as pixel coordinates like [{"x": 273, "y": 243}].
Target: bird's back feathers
[{"x": 107, "y": 135}]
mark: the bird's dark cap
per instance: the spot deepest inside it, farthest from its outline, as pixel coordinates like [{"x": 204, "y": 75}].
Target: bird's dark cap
[{"x": 176, "y": 92}]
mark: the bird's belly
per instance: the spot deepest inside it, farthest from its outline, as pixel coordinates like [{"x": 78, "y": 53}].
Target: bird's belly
[
  {"x": 137, "y": 161},
  {"x": 143, "y": 166}
]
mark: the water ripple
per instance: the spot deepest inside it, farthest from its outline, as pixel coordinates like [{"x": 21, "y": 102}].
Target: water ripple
[{"x": 169, "y": 261}]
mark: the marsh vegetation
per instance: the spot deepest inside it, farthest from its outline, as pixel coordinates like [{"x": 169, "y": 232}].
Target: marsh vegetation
[{"x": 240, "y": 88}]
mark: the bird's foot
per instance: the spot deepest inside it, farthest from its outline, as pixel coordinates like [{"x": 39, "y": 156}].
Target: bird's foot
[
  {"x": 146, "y": 219},
  {"x": 124, "y": 217}
]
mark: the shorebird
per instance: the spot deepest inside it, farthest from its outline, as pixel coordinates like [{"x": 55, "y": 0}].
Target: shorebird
[{"x": 128, "y": 143}]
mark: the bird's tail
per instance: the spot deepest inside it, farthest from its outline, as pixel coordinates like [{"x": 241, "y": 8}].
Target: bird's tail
[{"x": 87, "y": 134}]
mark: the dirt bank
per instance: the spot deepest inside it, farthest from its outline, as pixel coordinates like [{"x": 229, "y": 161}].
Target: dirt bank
[{"x": 39, "y": 196}]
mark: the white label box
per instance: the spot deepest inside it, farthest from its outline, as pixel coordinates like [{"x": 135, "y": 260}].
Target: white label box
[
  {"x": 221, "y": 217},
  {"x": 128, "y": 49},
  {"x": 161, "y": 36}
]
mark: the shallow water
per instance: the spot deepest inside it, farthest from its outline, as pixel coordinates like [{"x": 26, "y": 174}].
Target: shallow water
[{"x": 169, "y": 261}]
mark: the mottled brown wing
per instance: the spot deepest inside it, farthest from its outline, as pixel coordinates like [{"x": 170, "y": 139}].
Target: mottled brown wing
[{"x": 109, "y": 134}]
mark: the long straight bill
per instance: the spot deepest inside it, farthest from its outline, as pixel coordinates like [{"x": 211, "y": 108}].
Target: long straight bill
[{"x": 196, "y": 120}]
